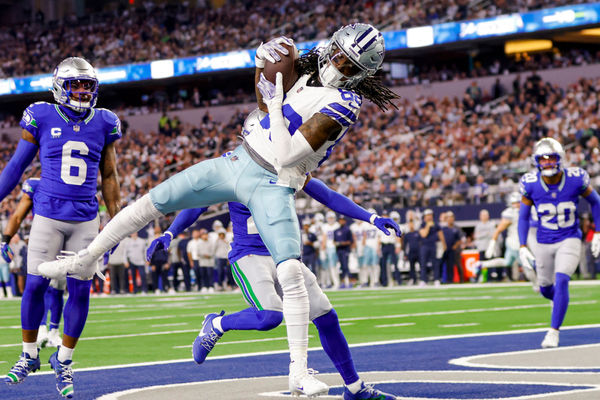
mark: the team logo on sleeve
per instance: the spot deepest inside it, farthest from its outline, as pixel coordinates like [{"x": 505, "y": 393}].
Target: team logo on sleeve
[{"x": 28, "y": 118}]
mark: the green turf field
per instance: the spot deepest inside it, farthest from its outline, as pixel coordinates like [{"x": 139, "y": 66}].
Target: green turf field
[{"x": 132, "y": 329}]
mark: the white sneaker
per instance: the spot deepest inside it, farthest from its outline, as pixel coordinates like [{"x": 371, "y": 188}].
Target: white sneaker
[
  {"x": 437, "y": 283},
  {"x": 171, "y": 291},
  {"x": 303, "y": 381},
  {"x": 157, "y": 291},
  {"x": 54, "y": 339},
  {"x": 422, "y": 284},
  {"x": 211, "y": 289},
  {"x": 70, "y": 263},
  {"x": 551, "y": 339},
  {"x": 204, "y": 290},
  {"x": 42, "y": 337}
]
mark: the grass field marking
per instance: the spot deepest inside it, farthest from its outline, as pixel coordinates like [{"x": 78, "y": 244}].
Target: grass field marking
[
  {"x": 365, "y": 344},
  {"x": 458, "y": 325},
  {"x": 468, "y": 360},
  {"x": 394, "y": 325},
  {"x": 173, "y": 324},
  {"x": 242, "y": 341},
  {"x": 120, "y": 336},
  {"x": 526, "y": 325},
  {"x": 464, "y": 311}
]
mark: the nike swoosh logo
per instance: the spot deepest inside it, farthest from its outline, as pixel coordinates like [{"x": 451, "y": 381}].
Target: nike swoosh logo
[{"x": 272, "y": 182}]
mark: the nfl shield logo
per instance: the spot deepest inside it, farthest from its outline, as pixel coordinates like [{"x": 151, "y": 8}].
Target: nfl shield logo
[{"x": 76, "y": 128}]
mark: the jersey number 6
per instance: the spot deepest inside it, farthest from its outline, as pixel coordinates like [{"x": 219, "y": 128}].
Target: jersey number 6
[{"x": 69, "y": 162}]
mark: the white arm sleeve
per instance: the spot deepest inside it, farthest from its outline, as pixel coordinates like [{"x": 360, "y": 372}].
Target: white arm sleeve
[{"x": 288, "y": 149}]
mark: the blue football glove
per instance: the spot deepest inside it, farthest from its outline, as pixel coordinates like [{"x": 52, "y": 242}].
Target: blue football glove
[
  {"x": 108, "y": 253},
  {"x": 162, "y": 242},
  {"x": 7, "y": 253},
  {"x": 383, "y": 224}
]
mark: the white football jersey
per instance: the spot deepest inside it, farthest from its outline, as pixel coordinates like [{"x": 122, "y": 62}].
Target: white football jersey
[
  {"x": 512, "y": 232},
  {"x": 300, "y": 104},
  {"x": 328, "y": 230}
]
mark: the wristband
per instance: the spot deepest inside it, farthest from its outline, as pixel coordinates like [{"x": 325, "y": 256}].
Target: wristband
[
  {"x": 259, "y": 62},
  {"x": 169, "y": 233},
  {"x": 373, "y": 218}
]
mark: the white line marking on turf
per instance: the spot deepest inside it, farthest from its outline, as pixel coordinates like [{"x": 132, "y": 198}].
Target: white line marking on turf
[
  {"x": 174, "y": 324},
  {"x": 526, "y": 325},
  {"x": 243, "y": 341},
  {"x": 365, "y": 344},
  {"x": 472, "y": 310},
  {"x": 395, "y": 325},
  {"x": 467, "y": 361},
  {"x": 346, "y": 323},
  {"x": 458, "y": 325},
  {"x": 590, "y": 388}
]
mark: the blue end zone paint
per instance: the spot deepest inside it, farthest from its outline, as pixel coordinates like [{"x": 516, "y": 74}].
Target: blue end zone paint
[
  {"x": 421, "y": 355},
  {"x": 465, "y": 390}
]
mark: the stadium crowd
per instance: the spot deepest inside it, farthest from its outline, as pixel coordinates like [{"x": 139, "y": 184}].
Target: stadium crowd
[
  {"x": 154, "y": 31},
  {"x": 428, "y": 153}
]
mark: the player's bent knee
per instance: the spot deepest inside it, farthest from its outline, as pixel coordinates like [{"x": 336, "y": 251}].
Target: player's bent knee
[
  {"x": 289, "y": 274},
  {"x": 319, "y": 302},
  {"x": 269, "y": 319}
]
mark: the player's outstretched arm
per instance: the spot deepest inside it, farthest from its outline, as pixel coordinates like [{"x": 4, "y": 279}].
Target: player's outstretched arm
[
  {"x": 184, "y": 220},
  {"x": 111, "y": 191},
  {"x": 344, "y": 205},
  {"x": 24, "y": 154}
]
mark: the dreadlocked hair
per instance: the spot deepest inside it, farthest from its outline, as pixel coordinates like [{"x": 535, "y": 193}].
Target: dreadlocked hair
[{"x": 370, "y": 87}]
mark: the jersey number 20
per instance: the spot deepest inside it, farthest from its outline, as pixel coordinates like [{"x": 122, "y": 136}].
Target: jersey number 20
[
  {"x": 69, "y": 162},
  {"x": 564, "y": 212}
]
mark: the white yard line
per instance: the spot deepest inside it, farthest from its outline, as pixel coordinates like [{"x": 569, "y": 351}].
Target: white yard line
[
  {"x": 458, "y": 325},
  {"x": 395, "y": 325}
]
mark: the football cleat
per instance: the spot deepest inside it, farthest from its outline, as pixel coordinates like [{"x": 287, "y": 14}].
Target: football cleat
[
  {"x": 207, "y": 338},
  {"x": 54, "y": 339},
  {"x": 70, "y": 263},
  {"x": 64, "y": 375},
  {"x": 42, "y": 337},
  {"x": 22, "y": 368},
  {"x": 367, "y": 392},
  {"x": 303, "y": 381},
  {"x": 551, "y": 339}
]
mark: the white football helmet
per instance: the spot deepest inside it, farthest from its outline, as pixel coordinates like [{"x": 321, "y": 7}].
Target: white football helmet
[
  {"x": 357, "y": 50},
  {"x": 395, "y": 215},
  {"x": 68, "y": 71},
  {"x": 514, "y": 197},
  {"x": 330, "y": 215},
  {"x": 544, "y": 149}
]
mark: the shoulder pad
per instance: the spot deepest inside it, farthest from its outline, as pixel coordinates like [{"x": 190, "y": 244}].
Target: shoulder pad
[{"x": 112, "y": 121}]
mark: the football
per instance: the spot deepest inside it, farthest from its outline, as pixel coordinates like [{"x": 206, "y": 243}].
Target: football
[{"x": 285, "y": 66}]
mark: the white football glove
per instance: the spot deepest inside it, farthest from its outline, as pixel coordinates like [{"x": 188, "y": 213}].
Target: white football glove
[
  {"x": 527, "y": 259},
  {"x": 491, "y": 249},
  {"x": 596, "y": 244},
  {"x": 270, "y": 51},
  {"x": 272, "y": 95}
]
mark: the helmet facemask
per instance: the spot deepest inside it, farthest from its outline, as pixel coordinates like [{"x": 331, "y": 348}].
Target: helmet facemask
[
  {"x": 337, "y": 70},
  {"x": 550, "y": 166},
  {"x": 77, "y": 99}
]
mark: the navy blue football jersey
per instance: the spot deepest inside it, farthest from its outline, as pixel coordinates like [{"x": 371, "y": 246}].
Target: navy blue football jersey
[
  {"x": 556, "y": 205},
  {"x": 70, "y": 153},
  {"x": 246, "y": 239}
]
